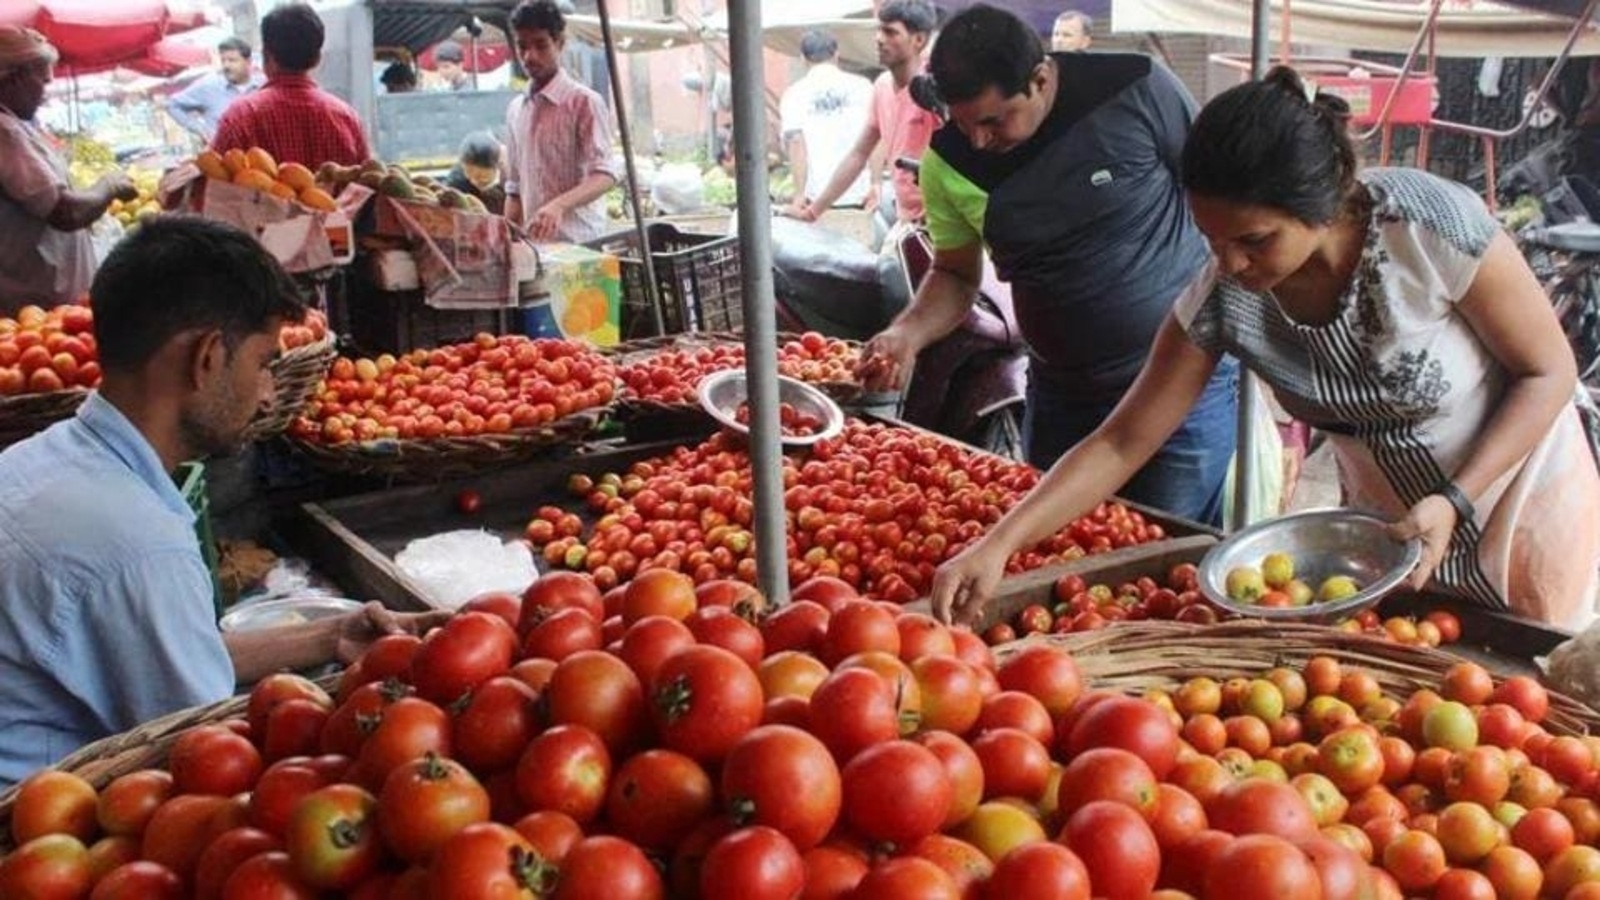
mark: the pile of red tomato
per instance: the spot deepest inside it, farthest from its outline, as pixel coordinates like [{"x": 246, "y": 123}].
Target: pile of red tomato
[
  {"x": 42, "y": 351},
  {"x": 877, "y": 506},
  {"x": 1080, "y": 606},
  {"x": 664, "y": 740},
  {"x": 489, "y": 385},
  {"x": 673, "y": 375}
]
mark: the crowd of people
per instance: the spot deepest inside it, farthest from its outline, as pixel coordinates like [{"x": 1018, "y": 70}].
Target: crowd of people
[{"x": 1153, "y": 249}]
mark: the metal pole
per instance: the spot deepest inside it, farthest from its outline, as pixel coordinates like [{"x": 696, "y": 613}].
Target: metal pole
[
  {"x": 651, "y": 289},
  {"x": 1244, "y": 460},
  {"x": 760, "y": 315}
]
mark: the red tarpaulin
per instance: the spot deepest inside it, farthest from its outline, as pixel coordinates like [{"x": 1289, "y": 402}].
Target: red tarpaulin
[
  {"x": 490, "y": 56},
  {"x": 19, "y": 12},
  {"x": 93, "y": 33}
]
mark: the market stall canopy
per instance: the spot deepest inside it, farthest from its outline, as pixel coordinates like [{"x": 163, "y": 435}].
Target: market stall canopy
[
  {"x": 19, "y": 12},
  {"x": 92, "y": 34},
  {"x": 419, "y": 24},
  {"x": 1529, "y": 28},
  {"x": 636, "y": 35}
]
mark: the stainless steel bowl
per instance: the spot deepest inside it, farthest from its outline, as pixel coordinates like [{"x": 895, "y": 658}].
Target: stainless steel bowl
[
  {"x": 285, "y": 611},
  {"x": 722, "y": 393},
  {"x": 1323, "y": 543}
]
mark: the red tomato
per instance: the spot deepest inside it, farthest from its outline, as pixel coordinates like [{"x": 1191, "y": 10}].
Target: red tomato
[
  {"x": 1262, "y": 867},
  {"x": 656, "y": 797},
  {"x": 225, "y": 854},
  {"x": 563, "y": 633},
  {"x": 1116, "y": 846},
  {"x": 278, "y": 688},
  {"x": 658, "y": 592},
  {"x": 608, "y": 868},
  {"x": 1014, "y": 709},
  {"x": 267, "y": 876},
  {"x": 1526, "y": 695},
  {"x": 141, "y": 880},
  {"x": 1185, "y": 864},
  {"x": 499, "y": 719},
  {"x": 908, "y": 878},
  {"x": 1342, "y": 871},
  {"x": 703, "y": 700},
  {"x": 832, "y": 872},
  {"x": 722, "y": 627},
  {"x": 426, "y": 802},
  {"x": 1258, "y": 806},
  {"x": 1014, "y": 764},
  {"x": 550, "y": 833},
  {"x": 952, "y": 693},
  {"x": 853, "y": 709},
  {"x": 648, "y": 642},
  {"x": 784, "y": 778},
  {"x": 1107, "y": 773},
  {"x": 597, "y": 690},
  {"x": 387, "y": 657},
  {"x": 556, "y": 591},
  {"x": 293, "y": 728},
  {"x": 48, "y": 866},
  {"x": 964, "y": 770},
  {"x": 53, "y": 802},
  {"x": 468, "y": 501},
  {"x": 922, "y": 635},
  {"x": 127, "y": 803},
  {"x": 752, "y": 863},
  {"x": 566, "y": 769},
  {"x": 799, "y": 625},
  {"x": 1416, "y": 860},
  {"x": 487, "y": 859},
  {"x": 506, "y": 606},
  {"x": 182, "y": 827},
  {"x": 1138, "y": 726},
  {"x": 826, "y": 591},
  {"x": 1178, "y": 816},
  {"x": 332, "y": 838},
  {"x": 471, "y": 648},
  {"x": 857, "y": 627},
  {"x": 895, "y": 791},
  {"x": 1045, "y": 871},
  {"x": 407, "y": 729},
  {"x": 966, "y": 865},
  {"x": 278, "y": 790},
  {"x": 1047, "y": 673}
]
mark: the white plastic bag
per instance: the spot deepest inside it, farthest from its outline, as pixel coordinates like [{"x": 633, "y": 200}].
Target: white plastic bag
[
  {"x": 1266, "y": 494},
  {"x": 453, "y": 567}
]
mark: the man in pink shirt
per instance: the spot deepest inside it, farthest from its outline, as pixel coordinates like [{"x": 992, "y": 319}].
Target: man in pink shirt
[
  {"x": 558, "y": 142},
  {"x": 904, "y": 128}
]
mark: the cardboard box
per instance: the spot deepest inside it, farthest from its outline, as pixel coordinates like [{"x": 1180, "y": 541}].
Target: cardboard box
[
  {"x": 463, "y": 259},
  {"x": 300, "y": 238},
  {"x": 578, "y": 296}
]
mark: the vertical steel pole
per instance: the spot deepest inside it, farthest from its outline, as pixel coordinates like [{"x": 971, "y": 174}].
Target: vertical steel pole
[
  {"x": 1244, "y": 468},
  {"x": 760, "y": 311}
]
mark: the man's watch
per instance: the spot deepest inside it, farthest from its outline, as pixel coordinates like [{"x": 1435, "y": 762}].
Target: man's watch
[{"x": 1465, "y": 511}]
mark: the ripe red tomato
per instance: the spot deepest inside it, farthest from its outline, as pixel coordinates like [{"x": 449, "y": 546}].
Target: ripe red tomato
[
  {"x": 656, "y": 797},
  {"x": 783, "y": 778},
  {"x": 470, "y": 649},
  {"x": 566, "y": 769},
  {"x": 1014, "y": 709},
  {"x": 499, "y": 719},
  {"x": 550, "y": 833},
  {"x": 1262, "y": 867},
  {"x": 597, "y": 690},
  {"x": 833, "y": 871},
  {"x": 908, "y": 878},
  {"x": 141, "y": 880},
  {"x": 853, "y": 709},
  {"x": 563, "y": 633},
  {"x": 406, "y": 729},
  {"x": 1014, "y": 764},
  {"x": 1138, "y": 726},
  {"x": 703, "y": 700},
  {"x": 1047, "y": 673},
  {"x": 426, "y": 802},
  {"x": 53, "y": 802},
  {"x": 799, "y": 625},
  {"x": 293, "y": 728},
  {"x": 183, "y": 826},
  {"x": 278, "y": 790},
  {"x": 1116, "y": 846},
  {"x": 658, "y": 592},
  {"x": 1108, "y": 773},
  {"x": 720, "y": 626},
  {"x": 826, "y": 591},
  {"x": 857, "y": 627},
  {"x": 608, "y": 868},
  {"x": 278, "y": 688},
  {"x": 753, "y": 863},
  {"x": 488, "y": 859},
  {"x": 1526, "y": 695},
  {"x": 1046, "y": 871},
  {"x": 469, "y": 501},
  {"x": 225, "y": 854},
  {"x": 964, "y": 770},
  {"x": 50, "y": 865},
  {"x": 506, "y": 606},
  {"x": 556, "y": 591},
  {"x": 952, "y": 693},
  {"x": 895, "y": 791},
  {"x": 1258, "y": 806},
  {"x": 127, "y": 803},
  {"x": 332, "y": 838},
  {"x": 267, "y": 876}
]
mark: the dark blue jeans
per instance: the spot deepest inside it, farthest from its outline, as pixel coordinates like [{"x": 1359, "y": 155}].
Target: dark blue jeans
[{"x": 1186, "y": 475}]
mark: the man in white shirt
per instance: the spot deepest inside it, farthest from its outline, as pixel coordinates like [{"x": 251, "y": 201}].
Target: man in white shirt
[{"x": 823, "y": 113}]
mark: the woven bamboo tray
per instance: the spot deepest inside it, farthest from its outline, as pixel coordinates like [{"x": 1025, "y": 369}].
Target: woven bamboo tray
[
  {"x": 1140, "y": 656},
  {"x": 24, "y": 415},
  {"x": 437, "y": 459},
  {"x": 295, "y": 376}
]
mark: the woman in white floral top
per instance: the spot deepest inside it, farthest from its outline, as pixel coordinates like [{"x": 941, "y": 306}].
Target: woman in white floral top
[{"x": 1387, "y": 308}]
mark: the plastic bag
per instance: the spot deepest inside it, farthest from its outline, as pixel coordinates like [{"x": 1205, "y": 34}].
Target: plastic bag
[
  {"x": 453, "y": 567},
  {"x": 1266, "y": 494},
  {"x": 678, "y": 188}
]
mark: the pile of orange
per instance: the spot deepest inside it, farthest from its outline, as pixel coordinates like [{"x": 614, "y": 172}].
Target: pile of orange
[{"x": 255, "y": 168}]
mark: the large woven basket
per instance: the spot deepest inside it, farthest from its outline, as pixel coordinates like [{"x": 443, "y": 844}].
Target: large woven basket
[
  {"x": 437, "y": 459},
  {"x": 295, "y": 376},
  {"x": 1139, "y": 656},
  {"x": 24, "y": 415}
]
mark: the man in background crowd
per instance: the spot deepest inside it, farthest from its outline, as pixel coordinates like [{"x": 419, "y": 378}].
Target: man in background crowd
[
  {"x": 1071, "y": 32},
  {"x": 291, "y": 117},
  {"x": 448, "y": 61},
  {"x": 199, "y": 107},
  {"x": 558, "y": 137},
  {"x": 398, "y": 78},
  {"x": 823, "y": 114}
]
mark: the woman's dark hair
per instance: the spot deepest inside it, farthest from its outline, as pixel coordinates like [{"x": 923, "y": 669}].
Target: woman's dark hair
[
  {"x": 178, "y": 273},
  {"x": 480, "y": 149},
  {"x": 983, "y": 47},
  {"x": 539, "y": 15},
  {"x": 398, "y": 75},
  {"x": 1267, "y": 144},
  {"x": 292, "y": 35},
  {"x": 918, "y": 16}
]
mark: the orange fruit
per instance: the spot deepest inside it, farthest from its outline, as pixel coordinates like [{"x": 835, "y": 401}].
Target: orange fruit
[
  {"x": 235, "y": 161},
  {"x": 211, "y": 165},
  {"x": 262, "y": 161},
  {"x": 296, "y": 176}
]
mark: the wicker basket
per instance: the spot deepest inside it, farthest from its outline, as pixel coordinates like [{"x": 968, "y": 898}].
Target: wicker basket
[
  {"x": 1139, "y": 656},
  {"x": 438, "y": 459},
  {"x": 295, "y": 376},
  {"x": 24, "y": 415}
]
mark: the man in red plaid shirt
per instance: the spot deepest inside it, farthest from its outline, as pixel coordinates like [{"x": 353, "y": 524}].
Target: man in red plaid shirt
[{"x": 290, "y": 117}]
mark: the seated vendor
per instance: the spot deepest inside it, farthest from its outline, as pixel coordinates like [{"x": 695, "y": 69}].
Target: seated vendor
[
  {"x": 106, "y": 611},
  {"x": 477, "y": 171}
]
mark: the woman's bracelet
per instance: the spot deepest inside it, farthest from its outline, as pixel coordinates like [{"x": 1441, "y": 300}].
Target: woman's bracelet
[{"x": 1465, "y": 511}]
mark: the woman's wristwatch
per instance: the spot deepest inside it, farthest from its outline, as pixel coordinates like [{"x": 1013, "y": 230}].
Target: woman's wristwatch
[{"x": 1465, "y": 511}]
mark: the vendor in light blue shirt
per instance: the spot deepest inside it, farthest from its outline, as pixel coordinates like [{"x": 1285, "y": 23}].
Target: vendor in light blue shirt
[
  {"x": 106, "y": 613},
  {"x": 199, "y": 106}
]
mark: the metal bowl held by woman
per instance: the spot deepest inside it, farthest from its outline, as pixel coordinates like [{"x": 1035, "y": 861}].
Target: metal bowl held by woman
[
  {"x": 285, "y": 611},
  {"x": 1316, "y": 566},
  {"x": 809, "y": 414}
]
